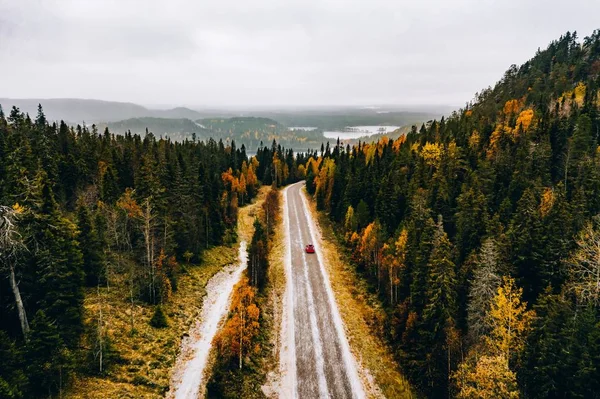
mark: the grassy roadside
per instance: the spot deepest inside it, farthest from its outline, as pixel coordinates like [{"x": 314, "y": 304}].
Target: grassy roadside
[
  {"x": 247, "y": 214},
  {"x": 360, "y": 311},
  {"x": 146, "y": 358}
]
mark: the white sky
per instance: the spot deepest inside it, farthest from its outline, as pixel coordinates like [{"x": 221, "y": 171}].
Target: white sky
[{"x": 274, "y": 52}]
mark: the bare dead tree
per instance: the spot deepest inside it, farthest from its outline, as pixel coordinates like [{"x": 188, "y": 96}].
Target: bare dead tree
[
  {"x": 11, "y": 244},
  {"x": 584, "y": 265},
  {"x": 148, "y": 232},
  {"x": 484, "y": 286},
  {"x": 131, "y": 299},
  {"x": 100, "y": 333}
]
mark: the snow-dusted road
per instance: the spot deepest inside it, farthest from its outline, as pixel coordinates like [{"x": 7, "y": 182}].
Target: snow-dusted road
[
  {"x": 189, "y": 376},
  {"x": 316, "y": 360}
]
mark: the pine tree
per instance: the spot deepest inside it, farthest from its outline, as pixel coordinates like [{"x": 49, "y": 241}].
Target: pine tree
[
  {"x": 257, "y": 256},
  {"x": 12, "y": 377},
  {"x": 91, "y": 247},
  {"x": 159, "y": 318},
  {"x": 439, "y": 315},
  {"x": 48, "y": 360},
  {"x": 526, "y": 236},
  {"x": 59, "y": 266},
  {"x": 471, "y": 217},
  {"x": 548, "y": 356}
]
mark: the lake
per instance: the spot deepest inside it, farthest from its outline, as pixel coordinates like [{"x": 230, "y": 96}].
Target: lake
[
  {"x": 355, "y": 132},
  {"x": 303, "y": 128}
]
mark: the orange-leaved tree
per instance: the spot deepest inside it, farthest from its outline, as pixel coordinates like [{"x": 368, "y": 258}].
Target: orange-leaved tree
[{"x": 237, "y": 335}]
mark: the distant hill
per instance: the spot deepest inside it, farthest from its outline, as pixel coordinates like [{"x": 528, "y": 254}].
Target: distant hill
[
  {"x": 172, "y": 127},
  {"x": 225, "y": 128},
  {"x": 178, "y": 113},
  {"x": 240, "y": 125},
  {"x": 77, "y": 110}
]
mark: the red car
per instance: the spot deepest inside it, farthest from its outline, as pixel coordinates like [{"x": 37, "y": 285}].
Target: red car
[{"x": 310, "y": 249}]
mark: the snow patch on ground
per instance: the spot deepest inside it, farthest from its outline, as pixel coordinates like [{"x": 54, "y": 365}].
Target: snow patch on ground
[{"x": 188, "y": 379}]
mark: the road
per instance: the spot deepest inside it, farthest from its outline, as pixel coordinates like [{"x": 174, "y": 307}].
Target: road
[
  {"x": 320, "y": 364},
  {"x": 189, "y": 379}
]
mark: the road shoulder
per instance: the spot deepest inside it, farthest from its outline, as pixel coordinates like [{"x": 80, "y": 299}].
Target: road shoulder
[{"x": 379, "y": 373}]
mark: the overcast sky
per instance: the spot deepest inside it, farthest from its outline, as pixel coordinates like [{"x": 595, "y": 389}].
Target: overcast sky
[{"x": 274, "y": 52}]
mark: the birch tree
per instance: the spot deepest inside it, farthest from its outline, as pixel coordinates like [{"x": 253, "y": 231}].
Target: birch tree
[{"x": 510, "y": 320}]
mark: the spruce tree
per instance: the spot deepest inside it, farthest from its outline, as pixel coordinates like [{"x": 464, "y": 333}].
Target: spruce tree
[
  {"x": 91, "y": 247},
  {"x": 13, "y": 380},
  {"x": 439, "y": 315},
  {"x": 58, "y": 267},
  {"x": 48, "y": 359}
]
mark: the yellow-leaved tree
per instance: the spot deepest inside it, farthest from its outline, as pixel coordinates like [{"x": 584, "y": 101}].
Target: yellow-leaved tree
[
  {"x": 486, "y": 373},
  {"x": 324, "y": 184},
  {"x": 547, "y": 201},
  {"x": 488, "y": 378},
  {"x": 395, "y": 260},
  {"x": 432, "y": 154},
  {"x": 371, "y": 249},
  {"x": 510, "y": 320}
]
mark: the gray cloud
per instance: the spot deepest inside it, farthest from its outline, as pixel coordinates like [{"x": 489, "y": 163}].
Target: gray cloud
[{"x": 273, "y": 52}]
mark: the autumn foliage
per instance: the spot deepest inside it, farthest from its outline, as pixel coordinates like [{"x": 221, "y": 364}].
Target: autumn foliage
[
  {"x": 236, "y": 339},
  {"x": 467, "y": 225}
]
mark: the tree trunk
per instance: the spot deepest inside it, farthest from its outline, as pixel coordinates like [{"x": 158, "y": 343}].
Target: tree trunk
[
  {"x": 241, "y": 337},
  {"x": 153, "y": 270},
  {"x": 100, "y": 343},
  {"x": 132, "y": 315},
  {"x": 391, "y": 287},
  {"x": 149, "y": 241},
  {"x": 567, "y": 167},
  {"x": 207, "y": 225},
  {"x": 19, "y": 302},
  {"x": 107, "y": 270}
]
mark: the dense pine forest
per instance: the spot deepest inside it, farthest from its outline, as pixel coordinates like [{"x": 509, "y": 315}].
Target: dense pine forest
[
  {"x": 77, "y": 205},
  {"x": 480, "y": 233}
]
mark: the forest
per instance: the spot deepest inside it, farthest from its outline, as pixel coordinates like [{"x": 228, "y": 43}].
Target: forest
[
  {"x": 78, "y": 205},
  {"x": 480, "y": 233}
]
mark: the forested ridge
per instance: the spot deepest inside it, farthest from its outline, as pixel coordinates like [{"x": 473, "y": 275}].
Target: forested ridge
[
  {"x": 78, "y": 206},
  {"x": 480, "y": 233}
]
